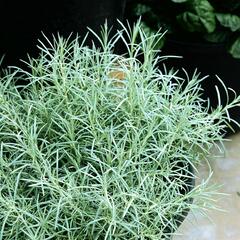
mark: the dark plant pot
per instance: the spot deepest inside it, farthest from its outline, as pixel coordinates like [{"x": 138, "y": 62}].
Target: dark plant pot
[
  {"x": 209, "y": 59},
  {"x": 190, "y": 184},
  {"x": 186, "y": 177},
  {"x": 21, "y": 22}
]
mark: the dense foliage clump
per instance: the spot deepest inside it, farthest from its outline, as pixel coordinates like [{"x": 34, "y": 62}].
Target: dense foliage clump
[{"x": 98, "y": 146}]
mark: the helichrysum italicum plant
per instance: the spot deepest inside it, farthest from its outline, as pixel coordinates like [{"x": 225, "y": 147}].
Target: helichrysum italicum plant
[{"x": 98, "y": 146}]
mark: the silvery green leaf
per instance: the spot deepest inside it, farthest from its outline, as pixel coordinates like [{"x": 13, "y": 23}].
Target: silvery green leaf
[{"x": 150, "y": 32}]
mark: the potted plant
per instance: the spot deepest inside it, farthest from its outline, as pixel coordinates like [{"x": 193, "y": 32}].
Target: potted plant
[
  {"x": 205, "y": 32},
  {"x": 102, "y": 146}
]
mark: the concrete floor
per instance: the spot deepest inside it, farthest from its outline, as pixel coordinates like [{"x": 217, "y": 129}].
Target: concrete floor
[{"x": 221, "y": 225}]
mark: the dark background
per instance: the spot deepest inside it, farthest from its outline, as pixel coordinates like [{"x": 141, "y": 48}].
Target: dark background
[{"x": 21, "y": 22}]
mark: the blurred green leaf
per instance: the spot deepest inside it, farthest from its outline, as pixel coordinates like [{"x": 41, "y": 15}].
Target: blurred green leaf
[
  {"x": 229, "y": 21},
  {"x": 179, "y": 1},
  {"x": 217, "y": 37},
  {"x": 205, "y": 11},
  {"x": 190, "y": 21},
  {"x": 199, "y": 18},
  {"x": 235, "y": 48},
  {"x": 141, "y": 9}
]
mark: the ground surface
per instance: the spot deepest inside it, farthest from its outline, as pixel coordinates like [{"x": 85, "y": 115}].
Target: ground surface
[{"x": 223, "y": 225}]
